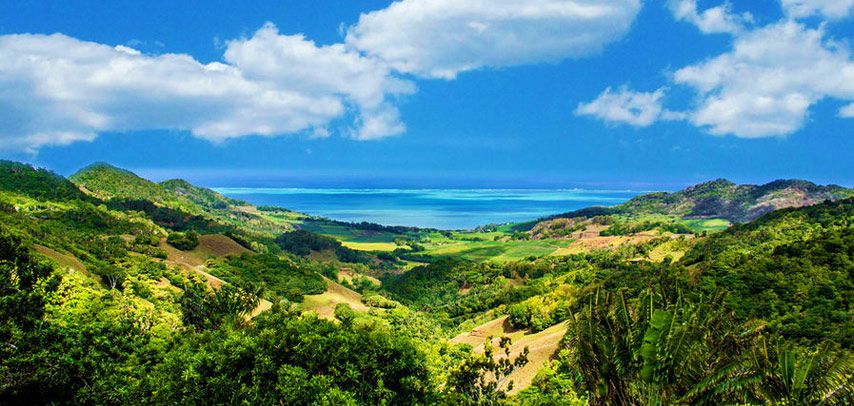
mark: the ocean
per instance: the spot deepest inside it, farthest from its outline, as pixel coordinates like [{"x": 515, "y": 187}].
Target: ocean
[{"x": 448, "y": 209}]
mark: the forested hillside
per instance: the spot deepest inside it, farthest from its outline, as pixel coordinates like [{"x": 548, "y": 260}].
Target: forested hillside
[
  {"x": 125, "y": 291},
  {"x": 726, "y": 200}
]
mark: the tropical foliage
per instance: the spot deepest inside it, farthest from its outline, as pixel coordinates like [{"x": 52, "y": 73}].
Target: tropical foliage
[{"x": 95, "y": 310}]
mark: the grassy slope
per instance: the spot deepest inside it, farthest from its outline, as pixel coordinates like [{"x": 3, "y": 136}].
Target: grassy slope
[
  {"x": 40, "y": 184},
  {"x": 324, "y": 304},
  {"x": 542, "y": 346},
  {"x": 370, "y": 246},
  {"x": 107, "y": 182},
  {"x": 495, "y": 251}
]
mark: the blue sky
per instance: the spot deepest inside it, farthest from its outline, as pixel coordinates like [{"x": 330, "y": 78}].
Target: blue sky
[{"x": 433, "y": 94}]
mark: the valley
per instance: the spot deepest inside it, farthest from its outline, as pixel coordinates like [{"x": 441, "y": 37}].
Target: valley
[{"x": 160, "y": 289}]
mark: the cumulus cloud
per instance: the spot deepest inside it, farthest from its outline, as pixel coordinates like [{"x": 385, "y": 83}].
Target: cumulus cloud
[
  {"x": 830, "y": 9},
  {"x": 715, "y": 20},
  {"x": 637, "y": 109},
  {"x": 442, "y": 38},
  {"x": 767, "y": 83},
  {"x": 847, "y": 111},
  {"x": 292, "y": 62},
  {"x": 55, "y": 90}
]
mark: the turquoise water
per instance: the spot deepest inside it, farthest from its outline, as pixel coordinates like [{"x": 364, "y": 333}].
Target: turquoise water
[{"x": 435, "y": 208}]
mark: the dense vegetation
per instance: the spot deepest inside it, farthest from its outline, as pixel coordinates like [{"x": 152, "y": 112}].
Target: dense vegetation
[
  {"x": 94, "y": 309},
  {"x": 303, "y": 243},
  {"x": 792, "y": 268},
  {"x": 183, "y": 241},
  {"x": 281, "y": 277},
  {"x": 36, "y": 183}
]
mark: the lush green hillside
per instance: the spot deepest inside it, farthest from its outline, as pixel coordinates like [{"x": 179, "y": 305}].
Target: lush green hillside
[
  {"x": 39, "y": 184},
  {"x": 793, "y": 268},
  {"x": 203, "y": 197},
  {"x": 724, "y": 199},
  {"x": 107, "y": 182},
  {"x": 604, "y": 307},
  {"x": 176, "y": 203}
]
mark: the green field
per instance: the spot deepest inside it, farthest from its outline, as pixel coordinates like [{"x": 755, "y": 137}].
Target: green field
[
  {"x": 349, "y": 234},
  {"x": 700, "y": 225},
  {"x": 370, "y": 246},
  {"x": 495, "y": 251}
]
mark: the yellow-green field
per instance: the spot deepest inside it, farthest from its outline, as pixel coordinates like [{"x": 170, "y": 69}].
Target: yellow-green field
[
  {"x": 496, "y": 251},
  {"x": 370, "y": 246},
  {"x": 708, "y": 224}
]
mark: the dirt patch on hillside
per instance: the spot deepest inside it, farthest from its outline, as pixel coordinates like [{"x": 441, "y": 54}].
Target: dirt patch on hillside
[
  {"x": 346, "y": 274},
  {"x": 216, "y": 245},
  {"x": 541, "y": 346},
  {"x": 597, "y": 242},
  {"x": 324, "y": 304},
  {"x": 64, "y": 260}
]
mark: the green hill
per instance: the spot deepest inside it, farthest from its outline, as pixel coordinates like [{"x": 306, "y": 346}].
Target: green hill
[
  {"x": 724, "y": 199},
  {"x": 107, "y": 182},
  {"x": 201, "y": 196},
  {"x": 175, "y": 201},
  {"x": 39, "y": 184}
]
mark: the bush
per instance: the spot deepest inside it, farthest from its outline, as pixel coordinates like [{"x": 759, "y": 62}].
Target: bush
[
  {"x": 520, "y": 315},
  {"x": 147, "y": 239},
  {"x": 345, "y": 314},
  {"x": 183, "y": 241},
  {"x": 379, "y": 301}
]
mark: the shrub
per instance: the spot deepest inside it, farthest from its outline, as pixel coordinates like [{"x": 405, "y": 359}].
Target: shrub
[
  {"x": 345, "y": 314},
  {"x": 379, "y": 301},
  {"x": 519, "y": 315},
  {"x": 183, "y": 241}
]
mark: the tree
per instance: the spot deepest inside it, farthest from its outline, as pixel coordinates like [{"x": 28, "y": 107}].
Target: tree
[
  {"x": 481, "y": 379},
  {"x": 25, "y": 284},
  {"x": 654, "y": 350},
  {"x": 111, "y": 275},
  {"x": 183, "y": 241},
  {"x": 213, "y": 309},
  {"x": 799, "y": 377},
  {"x": 519, "y": 315},
  {"x": 345, "y": 314}
]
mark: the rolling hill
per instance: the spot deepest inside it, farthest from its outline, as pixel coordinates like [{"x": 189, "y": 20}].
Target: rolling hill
[
  {"x": 724, "y": 199},
  {"x": 18, "y": 178},
  {"x": 107, "y": 182}
]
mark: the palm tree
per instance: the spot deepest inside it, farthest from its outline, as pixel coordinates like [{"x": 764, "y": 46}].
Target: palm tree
[
  {"x": 798, "y": 377},
  {"x": 655, "y": 351}
]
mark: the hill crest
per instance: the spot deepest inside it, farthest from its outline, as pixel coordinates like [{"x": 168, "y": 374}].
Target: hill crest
[{"x": 725, "y": 199}]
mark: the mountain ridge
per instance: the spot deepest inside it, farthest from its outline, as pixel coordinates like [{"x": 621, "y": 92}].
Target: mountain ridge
[{"x": 722, "y": 198}]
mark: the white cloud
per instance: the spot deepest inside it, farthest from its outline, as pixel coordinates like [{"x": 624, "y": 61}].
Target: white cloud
[
  {"x": 715, "y": 20},
  {"x": 442, "y": 38},
  {"x": 293, "y": 62},
  {"x": 55, "y": 90},
  {"x": 767, "y": 83},
  {"x": 847, "y": 111},
  {"x": 830, "y": 9},
  {"x": 637, "y": 109}
]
